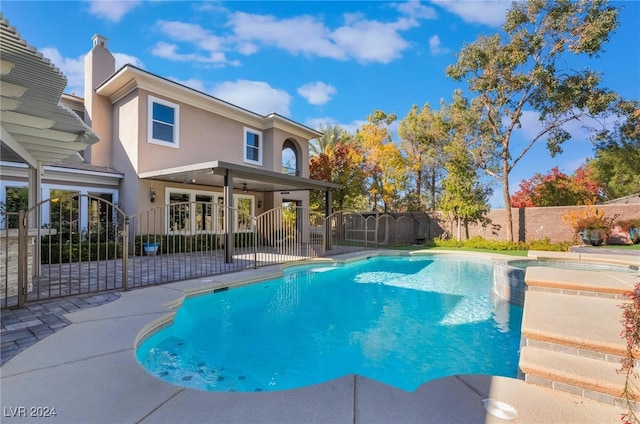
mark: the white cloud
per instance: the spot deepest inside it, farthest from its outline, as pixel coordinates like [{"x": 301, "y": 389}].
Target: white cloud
[
  {"x": 73, "y": 68},
  {"x": 212, "y": 45},
  {"x": 491, "y": 13},
  {"x": 360, "y": 39},
  {"x": 435, "y": 46},
  {"x": 370, "y": 41},
  {"x": 112, "y": 10},
  {"x": 317, "y": 93},
  {"x": 299, "y": 35},
  {"x": 256, "y": 96},
  {"x": 415, "y": 9}
]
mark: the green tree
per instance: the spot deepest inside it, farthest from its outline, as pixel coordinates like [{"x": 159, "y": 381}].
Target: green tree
[
  {"x": 528, "y": 69},
  {"x": 617, "y": 158},
  {"x": 331, "y": 136},
  {"x": 423, "y": 135},
  {"x": 464, "y": 197}
]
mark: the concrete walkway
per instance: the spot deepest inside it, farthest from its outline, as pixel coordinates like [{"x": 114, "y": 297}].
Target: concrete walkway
[{"x": 88, "y": 372}]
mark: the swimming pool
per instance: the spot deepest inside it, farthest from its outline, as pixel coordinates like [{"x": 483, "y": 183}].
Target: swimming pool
[{"x": 400, "y": 320}]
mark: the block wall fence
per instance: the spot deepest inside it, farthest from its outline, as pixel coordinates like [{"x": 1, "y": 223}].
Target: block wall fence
[{"x": 529, "y": 224}]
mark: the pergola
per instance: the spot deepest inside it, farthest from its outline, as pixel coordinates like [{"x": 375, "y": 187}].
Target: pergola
[{"x": 35, "y": 129}]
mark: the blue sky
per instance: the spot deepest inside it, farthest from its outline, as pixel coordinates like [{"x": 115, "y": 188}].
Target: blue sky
[{"x": 312, "y": 61}]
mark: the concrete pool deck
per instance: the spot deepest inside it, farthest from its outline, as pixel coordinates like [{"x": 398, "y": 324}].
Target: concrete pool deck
[{"x": 88, "y": 372}]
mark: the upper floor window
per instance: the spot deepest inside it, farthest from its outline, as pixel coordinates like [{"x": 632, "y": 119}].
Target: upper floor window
[
  {"x": 252, "y": 146},
  {"x": 163, "y": 122}
]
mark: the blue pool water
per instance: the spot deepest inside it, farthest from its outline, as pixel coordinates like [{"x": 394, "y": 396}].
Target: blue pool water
[{"x": 401, "y": 321}]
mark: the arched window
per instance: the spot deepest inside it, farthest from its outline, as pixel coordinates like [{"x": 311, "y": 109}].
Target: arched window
[{"x": 290, "y": 160}]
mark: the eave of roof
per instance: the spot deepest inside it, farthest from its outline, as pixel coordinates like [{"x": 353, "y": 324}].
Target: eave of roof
[{"x": 130, "y": 77}]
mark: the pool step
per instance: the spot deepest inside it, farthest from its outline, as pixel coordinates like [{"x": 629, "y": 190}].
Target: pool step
[
  {"x": 573, "y": 344},
  {"x": 590, "y": 378},
  {"x": 605, "y": 284}
]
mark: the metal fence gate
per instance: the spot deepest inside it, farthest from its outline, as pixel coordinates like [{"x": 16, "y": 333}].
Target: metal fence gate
[{"x": 65, "y": 245}]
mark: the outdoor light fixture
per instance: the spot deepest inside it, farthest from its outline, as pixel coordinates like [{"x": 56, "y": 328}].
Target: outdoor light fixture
[
  {"x": 259, "y": 204},
  {"x": 244, "y": 187},
  {"x": 152, "y": 195}
]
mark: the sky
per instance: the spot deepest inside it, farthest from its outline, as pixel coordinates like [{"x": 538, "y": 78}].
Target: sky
[{"x": 315, "y": 62}]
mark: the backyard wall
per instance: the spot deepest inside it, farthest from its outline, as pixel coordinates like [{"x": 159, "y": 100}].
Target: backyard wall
[
  {"x": 528, "y": 224},
  {"x": 546, "y": 222}
]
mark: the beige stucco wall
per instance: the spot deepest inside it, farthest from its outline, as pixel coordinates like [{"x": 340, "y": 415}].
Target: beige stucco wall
[
  {"x": 203, "y": 137},
  {"x": 125, "y": 150},
  {"x": 544, "y": 222},
  {"x": 206, "y": 136}
]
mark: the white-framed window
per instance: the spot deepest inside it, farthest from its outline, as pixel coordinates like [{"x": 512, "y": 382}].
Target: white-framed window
[
  {"x": 12, "y": 195},
  {"x": 252, "y": 146},
  {"x": 203, "y": 211},
  {"x": 163, "y": 123},
  {"x": 245, "y": 210}
]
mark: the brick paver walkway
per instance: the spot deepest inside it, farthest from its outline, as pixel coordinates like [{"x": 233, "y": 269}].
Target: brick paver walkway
[{"x": 22, "y": 328}]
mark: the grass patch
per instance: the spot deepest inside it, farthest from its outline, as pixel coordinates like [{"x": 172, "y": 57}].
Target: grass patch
[
  {"x": 620, "y": 246},
  {"x": 479, "y": 244},
  {"x": 462, "y": 249}
]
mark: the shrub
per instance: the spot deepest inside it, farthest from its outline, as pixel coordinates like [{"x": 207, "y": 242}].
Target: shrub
[
  {"x": 478, "y": 242},
  {"x": 57, "y": 253},
  {"x": 590, "y": 218},
  {"x": 177, "y": 243}
]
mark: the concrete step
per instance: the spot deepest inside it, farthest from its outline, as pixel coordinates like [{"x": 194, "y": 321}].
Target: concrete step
[
  {"x": 579, "y": 325},
  {"x": 590, "y": 378},
  {"x": 573, "y": 344},
  {"x": 607, "y": 284}
]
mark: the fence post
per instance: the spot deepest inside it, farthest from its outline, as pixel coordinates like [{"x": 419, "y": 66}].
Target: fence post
[
  {"x": 375, "y": 234},
  {"x": 254, "y": 224},
  {"x": 22, "y": 259},
  {"x": 125, "y": 254}
]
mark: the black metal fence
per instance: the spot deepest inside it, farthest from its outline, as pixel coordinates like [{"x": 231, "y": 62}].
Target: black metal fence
[{"x": 83, "y": 244}]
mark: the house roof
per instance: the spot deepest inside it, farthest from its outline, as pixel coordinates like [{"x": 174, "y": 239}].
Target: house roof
[
  {"x": 253, "y": 179},
  {"x": 34, "y": 126},
  {"x": 130, "y": 77}
]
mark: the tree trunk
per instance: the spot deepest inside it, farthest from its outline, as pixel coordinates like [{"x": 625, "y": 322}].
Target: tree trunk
[
  {"x": 507, "y": 198},
  {"x": 433, "y": 190}
]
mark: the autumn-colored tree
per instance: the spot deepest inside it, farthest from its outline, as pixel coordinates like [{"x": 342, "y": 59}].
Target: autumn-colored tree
[
  {"x": 527, "y": 71},
  {"x": 423, "y": 135},
  {"x": 342, "y": 164},
  {"x": 558, "y": 189},
  {"x": 384, "y": 164}
]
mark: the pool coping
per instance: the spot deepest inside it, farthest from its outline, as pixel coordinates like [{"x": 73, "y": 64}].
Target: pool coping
[{"x": 88, "y": 372}]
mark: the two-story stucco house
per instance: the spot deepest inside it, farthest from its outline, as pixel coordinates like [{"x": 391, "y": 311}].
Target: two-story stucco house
[{"x": 161, "y": 142}]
